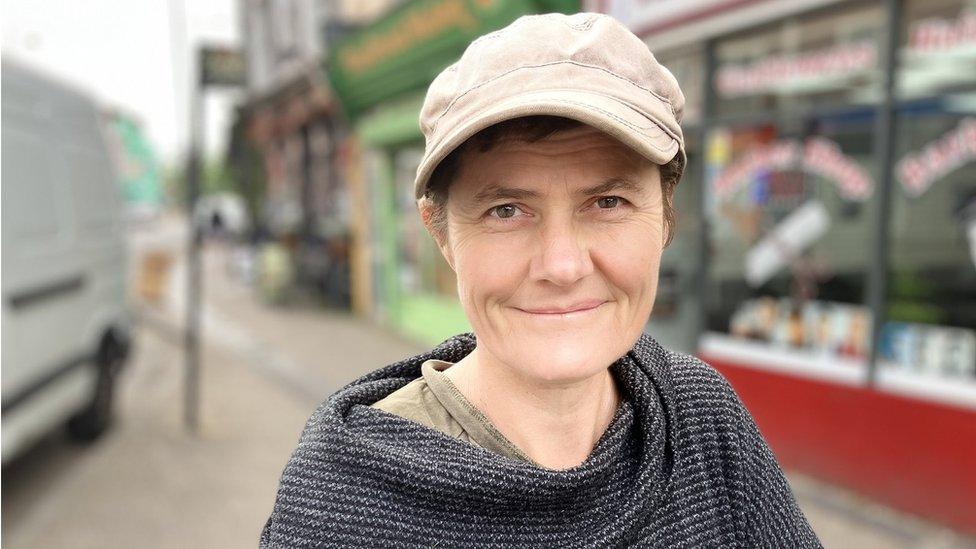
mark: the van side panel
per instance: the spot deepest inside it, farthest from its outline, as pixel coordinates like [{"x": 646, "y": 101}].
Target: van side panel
[{"x": 63, "y": 247}]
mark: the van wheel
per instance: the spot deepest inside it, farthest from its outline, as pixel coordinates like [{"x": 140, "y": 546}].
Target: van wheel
[{"x": 91, "y": 422}]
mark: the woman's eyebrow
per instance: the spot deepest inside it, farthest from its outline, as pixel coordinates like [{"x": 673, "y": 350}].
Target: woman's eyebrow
[
  {"x": 494, "y": 191},
  {"x": 612, "y": 184}
]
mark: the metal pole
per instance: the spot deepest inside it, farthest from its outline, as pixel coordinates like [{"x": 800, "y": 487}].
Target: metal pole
[
  {"x": 884, "y": 145},
  {"x": 194, "y": 283},
  {"x": 701, "y": 281}
]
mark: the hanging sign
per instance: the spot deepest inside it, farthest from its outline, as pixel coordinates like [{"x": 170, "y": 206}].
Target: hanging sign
[{"x": 222, "y": 67}]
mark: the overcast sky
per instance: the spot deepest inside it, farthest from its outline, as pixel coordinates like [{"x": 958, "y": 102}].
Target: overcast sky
[{"x": 123, "y": 53}]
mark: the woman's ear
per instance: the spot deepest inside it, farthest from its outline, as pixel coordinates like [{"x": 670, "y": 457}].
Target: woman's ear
[
  {"x": 436, "y": 224},
  {"x": 448, "y": 255}
]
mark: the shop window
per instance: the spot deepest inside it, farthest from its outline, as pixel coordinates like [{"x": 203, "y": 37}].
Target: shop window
[
  {"x": 930, "y": 329},
  {"x": 675, "y": 319},
  {"x": 422, "y": 268},
  {"x": 809, "y": 61},
  {"x": 676, "y": 316},
  {"x": 688, "y": 68},
  {"x": 375, "y": 165},
  {"x": 789, "y": 215}
]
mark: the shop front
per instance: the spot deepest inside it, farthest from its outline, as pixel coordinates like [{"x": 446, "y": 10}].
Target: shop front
[
  {"x": 831, "y": 265},
  {"x": 380, "y": 76},
  {"x": 282, "y": 155}
]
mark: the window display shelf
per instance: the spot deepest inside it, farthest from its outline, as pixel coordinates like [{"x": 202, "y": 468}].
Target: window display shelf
[
  {"x": 946, "y": 390},
  {"x": 952, "y": 391},
  {"x": 782, "y": 360}
]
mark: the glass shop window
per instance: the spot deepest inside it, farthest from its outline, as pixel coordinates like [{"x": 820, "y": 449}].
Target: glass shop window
[
  {"x": 688, "y": 68},
  {"x": 807, "y": 61},
  {"x": 674, "y": 319},
  {"x": 374, "y": 166},
  {"x": 422, "y": 268},
  {"x": 930, "y": 329},
  {"x": 789, "y": 210}
]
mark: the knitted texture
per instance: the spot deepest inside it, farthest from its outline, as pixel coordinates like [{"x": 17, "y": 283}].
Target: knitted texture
[{"x": 681, "y": 464}]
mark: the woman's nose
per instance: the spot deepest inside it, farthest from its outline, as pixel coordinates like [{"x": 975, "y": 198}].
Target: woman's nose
[{"x": 563, "y": 257}]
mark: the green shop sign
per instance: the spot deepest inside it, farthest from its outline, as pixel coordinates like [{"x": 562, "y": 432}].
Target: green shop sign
[{"x": 405, "y": 49}]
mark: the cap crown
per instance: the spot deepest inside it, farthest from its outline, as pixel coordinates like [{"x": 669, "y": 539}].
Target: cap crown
[
  {"x": 589, "y": 40},
  {"x": 587, "y": 67}
]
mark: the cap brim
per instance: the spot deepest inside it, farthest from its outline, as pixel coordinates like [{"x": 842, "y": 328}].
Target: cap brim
[{"x": 627, "y": 124}]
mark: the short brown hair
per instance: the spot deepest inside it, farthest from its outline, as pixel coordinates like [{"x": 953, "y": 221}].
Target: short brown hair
[{"x": 528, "y": 129}]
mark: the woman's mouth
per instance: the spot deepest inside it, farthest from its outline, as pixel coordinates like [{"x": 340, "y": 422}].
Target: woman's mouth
[{"x": 575, "y": 310}]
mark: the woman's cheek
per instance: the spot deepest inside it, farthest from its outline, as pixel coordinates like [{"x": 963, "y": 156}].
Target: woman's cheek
[
  {"x": 488, "y": 269},
  {"x": 631, "y": 259}
]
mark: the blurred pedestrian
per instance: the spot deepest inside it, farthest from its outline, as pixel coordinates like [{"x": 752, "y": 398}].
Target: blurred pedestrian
[
  {"x": 552, "y": 151},
  {"x": 217, "y": 224}
]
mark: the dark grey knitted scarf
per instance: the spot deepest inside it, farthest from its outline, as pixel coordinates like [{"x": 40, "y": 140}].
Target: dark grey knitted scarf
[{"x": 681, "y": 465}]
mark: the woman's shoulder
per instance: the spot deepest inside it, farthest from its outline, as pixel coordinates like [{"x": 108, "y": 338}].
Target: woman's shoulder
[
  {"x": 691, "y": 372},
  {"x": 407, "y": 402},
  {"x": 707, "y": 407},
  {"x": 699, "y": 388}
]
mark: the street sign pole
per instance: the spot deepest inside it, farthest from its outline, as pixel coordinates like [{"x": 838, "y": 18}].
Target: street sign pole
[
  {"x": 194, "y": 290},
  {"x": 217, "y": 67}
]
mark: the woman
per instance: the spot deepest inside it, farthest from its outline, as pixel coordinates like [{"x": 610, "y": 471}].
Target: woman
[{"x": 552, "y": 151}]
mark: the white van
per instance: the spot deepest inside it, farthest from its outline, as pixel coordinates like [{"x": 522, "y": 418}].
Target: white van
[{"x": 65, "y": 320}]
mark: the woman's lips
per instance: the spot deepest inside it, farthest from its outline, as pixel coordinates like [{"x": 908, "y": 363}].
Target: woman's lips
[{"x": 573, "y": 310}]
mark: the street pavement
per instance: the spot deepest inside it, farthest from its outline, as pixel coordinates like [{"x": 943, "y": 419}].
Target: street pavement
[{"x": 149, "y": 483}]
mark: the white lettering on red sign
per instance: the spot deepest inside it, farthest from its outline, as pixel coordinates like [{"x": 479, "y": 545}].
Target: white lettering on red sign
[
  {"x": 819, "y": 156},
  {"x": 935, "y": 35},
  {"x": 777, "y": 70},
  {"x": 918, "y": 171}
]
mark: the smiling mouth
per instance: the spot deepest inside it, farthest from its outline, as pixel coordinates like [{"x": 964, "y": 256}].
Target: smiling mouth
[{"x": 573, "y": 313}]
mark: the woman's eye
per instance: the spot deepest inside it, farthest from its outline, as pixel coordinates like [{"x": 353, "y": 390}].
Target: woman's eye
[{"x": 504, "y": 211}]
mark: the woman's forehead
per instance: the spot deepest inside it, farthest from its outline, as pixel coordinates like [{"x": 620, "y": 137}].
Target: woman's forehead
[
  {"x": 572, "y": 141},
  {"x": 576, "y": 159}
]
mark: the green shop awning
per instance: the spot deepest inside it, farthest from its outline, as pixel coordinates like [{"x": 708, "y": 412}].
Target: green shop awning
[
  {"x": 404, "y": 50},
  {"x": 392, "y": 124}
]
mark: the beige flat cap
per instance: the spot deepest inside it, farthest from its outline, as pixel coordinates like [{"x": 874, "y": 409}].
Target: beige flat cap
[{"x": 586, "y": 66}]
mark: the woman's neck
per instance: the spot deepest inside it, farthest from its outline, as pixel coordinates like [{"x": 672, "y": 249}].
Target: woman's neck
[{"x": 557, "y": 425}]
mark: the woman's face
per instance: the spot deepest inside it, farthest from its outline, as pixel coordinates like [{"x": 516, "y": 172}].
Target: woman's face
[{"x": 574, "y": 221}]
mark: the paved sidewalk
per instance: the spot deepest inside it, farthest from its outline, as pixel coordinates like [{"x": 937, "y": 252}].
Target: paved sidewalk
[
  {"x": 314, "y": 351},
  {"x": 148, "y": 483},
  {"x": 845, "y": 519}
]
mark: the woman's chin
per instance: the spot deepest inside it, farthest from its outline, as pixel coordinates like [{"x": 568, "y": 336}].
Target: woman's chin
[{"x": 559, "y": 360}]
